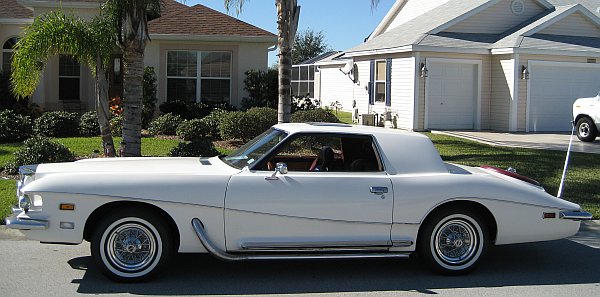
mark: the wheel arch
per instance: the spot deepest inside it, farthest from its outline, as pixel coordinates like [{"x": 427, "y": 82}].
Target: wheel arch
[
  {"x": 487, "y": 215},
  {"x": 101, "y": 211},
  {"x": 581, "y": 116}
]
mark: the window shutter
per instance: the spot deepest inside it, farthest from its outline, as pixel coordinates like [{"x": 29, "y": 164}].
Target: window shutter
[
  {"x": 372, "y": 83},
  {"x": 388, "y": 82}
]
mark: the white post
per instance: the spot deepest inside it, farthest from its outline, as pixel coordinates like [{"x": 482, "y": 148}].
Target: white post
[{"x": 564, "y": 174}]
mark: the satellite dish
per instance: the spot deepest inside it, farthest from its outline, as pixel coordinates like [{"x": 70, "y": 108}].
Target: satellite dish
[{"x": 347, "y": 69}]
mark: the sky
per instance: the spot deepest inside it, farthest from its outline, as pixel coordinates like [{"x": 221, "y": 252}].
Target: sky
[{"x": 344, "y": 23}]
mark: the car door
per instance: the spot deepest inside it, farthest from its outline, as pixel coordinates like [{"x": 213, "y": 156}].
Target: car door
[{"x": 314, "y": 205}]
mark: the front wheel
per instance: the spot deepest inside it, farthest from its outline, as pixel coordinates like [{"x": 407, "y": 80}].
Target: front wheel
[
  {"x": 586, "y": 129},
  {"x": 131, "y": 246},
  {"x": 454, "y": 241}
]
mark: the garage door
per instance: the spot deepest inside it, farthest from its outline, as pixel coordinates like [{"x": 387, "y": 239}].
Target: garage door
[
  {"x": 553, "y": 88},
  {"x": 451, "y": 95}
]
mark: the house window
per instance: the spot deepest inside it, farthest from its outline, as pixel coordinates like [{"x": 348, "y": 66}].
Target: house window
[
  {"x": 380, "y": 79},
  {"x": 68, "y": 78},
  {"x": 303, "y": 81},
  {"x": 195, "y": 76},
  {"x": 7, "y": 52}
]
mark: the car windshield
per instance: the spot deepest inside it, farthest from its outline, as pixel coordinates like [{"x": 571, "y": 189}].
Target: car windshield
[{"x": 255, "y": 149}]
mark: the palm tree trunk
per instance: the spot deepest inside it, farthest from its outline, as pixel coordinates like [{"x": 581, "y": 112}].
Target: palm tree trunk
[
  {"x": 102, "y": 111},
  {"x": 287, "y": 22},
  {"x": 133, "y": 68}
]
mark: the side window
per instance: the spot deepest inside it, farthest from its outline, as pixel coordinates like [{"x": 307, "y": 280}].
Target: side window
[{"x": 326, "y": 153}]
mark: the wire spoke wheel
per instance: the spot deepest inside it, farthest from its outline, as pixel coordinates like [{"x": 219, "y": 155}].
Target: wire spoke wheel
[
  {"x": 453, "y": 241},
  {"x": 131, "y": 247}
]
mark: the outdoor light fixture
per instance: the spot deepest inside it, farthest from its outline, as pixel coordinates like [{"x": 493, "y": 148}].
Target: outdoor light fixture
[
  {"x": 524, "y": 72},
  {"x": 424, "y": 70}
]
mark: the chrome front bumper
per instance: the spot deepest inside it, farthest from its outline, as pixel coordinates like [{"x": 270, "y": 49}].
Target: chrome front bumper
[
  {"x": 19, "y": 220},
  {"x": 575, "y": 215}
]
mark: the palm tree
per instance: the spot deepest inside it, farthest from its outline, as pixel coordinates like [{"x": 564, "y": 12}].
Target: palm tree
[
  {"x": 56, "y": 33},
  {"x": 130, "y": 21},
  {"x": 288, "y": 14}
]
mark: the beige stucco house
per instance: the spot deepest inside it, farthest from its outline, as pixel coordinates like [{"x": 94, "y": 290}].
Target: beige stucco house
[
  {"x": 508, "y": 65},
  {"x": 198, "y": 54}
]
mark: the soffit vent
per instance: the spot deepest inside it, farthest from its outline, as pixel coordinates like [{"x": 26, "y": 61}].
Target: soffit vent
[{"x": 517, "y": 7}]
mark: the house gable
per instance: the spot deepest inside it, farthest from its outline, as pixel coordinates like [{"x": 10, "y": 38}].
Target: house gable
[
  {"x": 498, "y": 17},
  {"x": 407, "y": 10},
  {"x": 576, "y": 24}
]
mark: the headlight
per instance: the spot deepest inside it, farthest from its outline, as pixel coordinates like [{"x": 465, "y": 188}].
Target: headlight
[{"x": 25, "y": 203}]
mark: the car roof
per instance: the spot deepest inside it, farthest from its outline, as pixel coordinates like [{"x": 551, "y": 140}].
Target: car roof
[{"x": 343, "y": 128}]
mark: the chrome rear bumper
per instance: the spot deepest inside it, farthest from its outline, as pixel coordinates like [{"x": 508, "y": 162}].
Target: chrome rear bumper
[
  {"x": 21, "y": 221},
  {"x": 575, "y": 215}
]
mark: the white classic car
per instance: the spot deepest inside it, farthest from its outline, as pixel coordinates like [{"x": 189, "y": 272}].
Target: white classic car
[{"x": 298, "y": 191}]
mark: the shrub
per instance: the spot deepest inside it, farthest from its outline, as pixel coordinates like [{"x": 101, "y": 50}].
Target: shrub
[
  {"x": 304, "y": 103},
  {"x": 13, "y": 126},
  {"x": 196, "y": 148},
  {"x": 192, "y": 110},
  {"x": 262, "y": 87},
  {"x": 193, "y": 129},
  {"x": 165, "y": 124},
  {"x": 247, "y": 125},
  {"x": 116, "y": 125},
  {"x": 38, "y": 150},
  {"x": 186, "y": 110},
  {"x": 149, "y": 97},
  {"x": 88, "y": 124},
  {"x": 57, "y": 124},
  {"x": 314, "y": 115},
  {"x": 213, "y": 120}
]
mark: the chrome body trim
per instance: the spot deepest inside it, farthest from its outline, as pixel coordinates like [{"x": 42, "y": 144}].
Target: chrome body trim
[
  {"x": 201, "y": 233},
  {"x": 575, "y": 215},
  {"x": 316, "y": 246},
  {"x": 26, "y": 223},
  {"x": 27, "y": 170},
  {"x": 402, "y": 243}
]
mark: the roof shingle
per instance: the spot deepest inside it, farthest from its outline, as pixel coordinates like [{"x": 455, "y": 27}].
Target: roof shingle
[
  {"x": 13, "y": 10},
  {"x": 203, "y": 21}
]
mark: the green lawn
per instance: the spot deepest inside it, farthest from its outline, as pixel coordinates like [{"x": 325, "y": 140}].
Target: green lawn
[
  {"x": 8, "y": 198},
  {"x": 582, "y": 185},
  {"x": 344, "y": 116}
]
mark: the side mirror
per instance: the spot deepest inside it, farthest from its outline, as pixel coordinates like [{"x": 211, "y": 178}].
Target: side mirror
[{"x": 280, "y": 168}]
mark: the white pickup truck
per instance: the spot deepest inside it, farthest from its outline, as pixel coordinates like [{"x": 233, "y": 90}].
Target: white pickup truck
[{"x": 586, "y": 113}]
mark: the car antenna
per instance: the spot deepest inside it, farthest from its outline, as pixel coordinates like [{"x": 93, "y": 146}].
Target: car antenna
[{"x": 564, "y": 174}]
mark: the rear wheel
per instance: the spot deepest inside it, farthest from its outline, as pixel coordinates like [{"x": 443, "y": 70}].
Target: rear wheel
[
  {"x": 453, "y": 241},
  {"x": 131, "y": 245},
  {"x": 586, "y": 129}
]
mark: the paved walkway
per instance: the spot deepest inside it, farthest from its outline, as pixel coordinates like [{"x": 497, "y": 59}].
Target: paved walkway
[{"x": 546, "y": 141}]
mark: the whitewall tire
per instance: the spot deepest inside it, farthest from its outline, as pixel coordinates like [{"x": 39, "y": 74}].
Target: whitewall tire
[
  {"x": 131, "y": 246},
  {"x": 454, "y": 241}
]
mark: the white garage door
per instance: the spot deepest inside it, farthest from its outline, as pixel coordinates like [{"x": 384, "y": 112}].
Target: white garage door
[
  {"x": 553, "y": 88},
  {"x": 451, "y": 95}
]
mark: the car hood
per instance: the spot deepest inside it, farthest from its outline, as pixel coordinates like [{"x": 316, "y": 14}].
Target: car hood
[
  {"x": 181, "y": 180},
  {"x": 137, "y": 166},
  {"x": 586, "y": 101}
]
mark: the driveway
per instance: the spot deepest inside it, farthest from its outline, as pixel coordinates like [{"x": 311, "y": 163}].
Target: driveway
[{"x": 545, "y": 141}]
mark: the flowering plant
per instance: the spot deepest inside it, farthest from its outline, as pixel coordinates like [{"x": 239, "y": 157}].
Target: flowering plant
[{"x": 116, "y": 106}]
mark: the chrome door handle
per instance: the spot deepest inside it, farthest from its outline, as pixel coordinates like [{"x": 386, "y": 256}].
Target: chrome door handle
[{"x": 379, "y": 190}]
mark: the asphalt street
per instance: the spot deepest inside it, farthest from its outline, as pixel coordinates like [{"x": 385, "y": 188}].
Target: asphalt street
[{"x": 569, "y": 267}]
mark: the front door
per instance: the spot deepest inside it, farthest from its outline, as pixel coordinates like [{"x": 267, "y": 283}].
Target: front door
[{"x": 336, "y": 194}]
